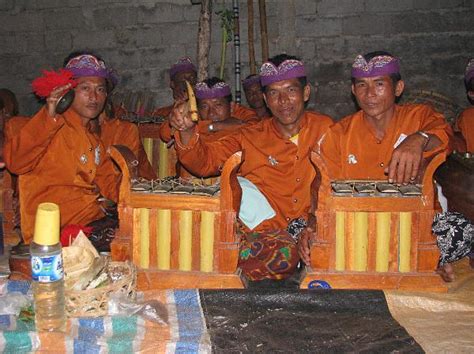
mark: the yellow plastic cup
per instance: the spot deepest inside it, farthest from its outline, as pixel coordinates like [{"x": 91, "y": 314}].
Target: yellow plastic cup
[{"x": 47, "y": 224}]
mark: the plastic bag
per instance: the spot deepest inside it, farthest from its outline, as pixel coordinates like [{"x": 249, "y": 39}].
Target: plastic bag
[
  {"x": 152, "y": 310},
  {"x": 12, "y": 303}
]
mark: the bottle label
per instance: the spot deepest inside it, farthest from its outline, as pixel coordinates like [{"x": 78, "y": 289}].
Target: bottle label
[{"x": 47, "y": 269}]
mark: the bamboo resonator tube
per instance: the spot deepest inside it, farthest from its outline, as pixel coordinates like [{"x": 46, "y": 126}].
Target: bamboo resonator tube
[
  {"x": 175, "y": 244},
  {"x": 353, "y": 238}
]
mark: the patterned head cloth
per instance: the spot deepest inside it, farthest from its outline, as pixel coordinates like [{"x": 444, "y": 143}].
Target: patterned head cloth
[
  {"x": 380, "y": 65},
  {"x": 220, "y": 89},
  {"x": 469, "y": 74},
  {"x": 289, "y": 69},
  {"x": 251, "y": 80},
  {"x": 182, "y": 65},
  {"x": 89, "y": 65}
]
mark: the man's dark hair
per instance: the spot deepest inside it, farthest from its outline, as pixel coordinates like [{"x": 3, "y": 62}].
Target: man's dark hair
[
  {"x": 280, "y": 58},
  {"x": 469, "y": 85},
  {"x": 215, "y": 80},
  {"x": 2, "y": 104},
  {"x": 7, "y": 94},
  {"x": 395, "y": 77}
]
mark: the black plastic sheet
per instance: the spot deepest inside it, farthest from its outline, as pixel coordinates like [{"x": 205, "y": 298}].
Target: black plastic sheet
[{"x": 283, "y": 320}]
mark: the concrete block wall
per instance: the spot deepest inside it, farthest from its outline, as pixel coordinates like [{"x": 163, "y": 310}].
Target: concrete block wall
[{"x": 142, "y": 38}]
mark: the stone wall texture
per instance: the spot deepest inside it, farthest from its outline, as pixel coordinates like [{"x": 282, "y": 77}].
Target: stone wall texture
[{"x": 142, "y": 38}]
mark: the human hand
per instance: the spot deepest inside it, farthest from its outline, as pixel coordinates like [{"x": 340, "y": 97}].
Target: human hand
[
  {"x": 53, "y": 99},
  {"x": 406, "y": 160},
  {"x": 179, "y": 118}
]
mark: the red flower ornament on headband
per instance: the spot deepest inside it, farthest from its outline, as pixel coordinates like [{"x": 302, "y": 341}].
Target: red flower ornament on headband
[
  {"x": 380, "y": 65},
  {"x": 289, "y": 69},
  {"x": 44, "y": 85}
]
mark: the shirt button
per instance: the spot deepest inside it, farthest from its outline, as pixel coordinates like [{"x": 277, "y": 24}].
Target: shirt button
[
  {"x": 90, "y": 171},
  {"x": 378, "y": 142},
  {"x": 298, "y": 179},
  {"x": 381, "y": 164},
  {"x": 295, "y": 200},
  {"x": 90, "y": 149},
  {"x": 297, "y": 157},
  {"x": 287, "y": 219}
]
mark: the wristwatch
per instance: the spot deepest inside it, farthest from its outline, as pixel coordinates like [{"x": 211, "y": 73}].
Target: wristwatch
[{"x": 210, "y": 127}]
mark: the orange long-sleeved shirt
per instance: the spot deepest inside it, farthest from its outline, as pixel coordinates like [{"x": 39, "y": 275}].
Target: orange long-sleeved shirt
[
  {"x": 281, "y": 169},
  {"x": 351, "y": 150},
  {"x": 119, "y": 132},
  {"x": 59, "y": 161},
  {"x": 465, "y": 124}
]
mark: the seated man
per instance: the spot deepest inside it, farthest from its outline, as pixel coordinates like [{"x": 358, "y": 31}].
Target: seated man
[
  {"x": 183, "y": 70},
  {"x": 383, "y": 139},
  {"x": 114, "y": 131},
  {"x": 214, "y": 100},
  {"x": 275, "y": 165},
  {"x": 465, "y": 122},
  {"x": 56, "y": 157},
  {"x": 254, "y": 96}
]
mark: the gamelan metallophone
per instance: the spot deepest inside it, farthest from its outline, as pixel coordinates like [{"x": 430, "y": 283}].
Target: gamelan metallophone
[
  {"x": 180, "y": 239},
  {"x": 375, "y": 235}
]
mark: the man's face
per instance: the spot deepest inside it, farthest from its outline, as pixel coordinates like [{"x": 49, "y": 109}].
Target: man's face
[
  {"x": 254, "y": 96},
  {"x": 90, "y": 96},
  {"x": 286, "y": 100},
  {"x": 376, "y": 95},
  {"x": 214, "y": 109},
  {"x": 178, "y": 85}
]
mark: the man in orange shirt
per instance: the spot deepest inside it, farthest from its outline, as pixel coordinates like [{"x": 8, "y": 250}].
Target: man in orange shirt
[
  {"x": 181, "y": 71},
  {"x": 276, "y": 164},
  {"x": 114, "y": 131},
  {"x": 465, "y": 122},
  {"x": 56, "y": 157},
  {"x": 383, "y": 139},
  {"x": 214, "y": 100},
  {"x": 254, "y": 96}
]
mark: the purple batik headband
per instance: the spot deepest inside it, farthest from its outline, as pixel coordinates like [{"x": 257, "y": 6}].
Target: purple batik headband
[
  {"x": 88, "y": 65},
  {"x": 252, "y": 80},
  {"x": 221, "y": 89},
  {"x": 182, "y": 65},
  {"x": 469, "y": 74},
  {"x": 380, "y": 65},
  {"x": 289, "y": 69}
]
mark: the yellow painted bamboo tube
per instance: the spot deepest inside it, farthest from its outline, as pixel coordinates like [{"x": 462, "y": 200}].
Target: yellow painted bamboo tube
[
  {"x": 360, "y": 241},
  {"x": 144, "y": 238},
  {"x": 185, "y": 239},
  {"x": 405, "y": 242},
  {"x": 207, "y": 241},
  {"x": 164, "y": 239},
  {"x": 148, "y": 146},
  {"x": 340, "y": 241},
  {"x": 163, "y": 162},
  {"x": 383, "y": 242}
]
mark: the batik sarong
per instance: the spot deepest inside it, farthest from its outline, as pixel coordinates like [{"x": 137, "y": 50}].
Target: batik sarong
[
  {"x": 454, "y": 235},
  {"x": 268, "y": 255}
]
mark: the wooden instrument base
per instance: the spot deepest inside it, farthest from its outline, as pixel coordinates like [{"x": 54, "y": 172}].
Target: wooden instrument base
[
  {"x": 431, "y": 282},
  {"x": 174, "y": 279}
]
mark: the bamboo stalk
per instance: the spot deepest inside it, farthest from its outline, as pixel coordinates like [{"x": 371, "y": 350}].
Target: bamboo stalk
[
  {"x": 235, "y": 7},
  {"x": 204, "y": 39},
  {"x": 252, "y": 64},
  {"x": 263, "y": 29}
]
